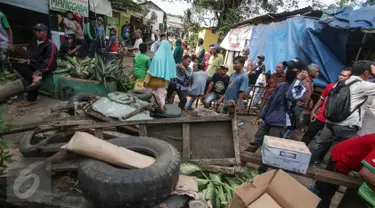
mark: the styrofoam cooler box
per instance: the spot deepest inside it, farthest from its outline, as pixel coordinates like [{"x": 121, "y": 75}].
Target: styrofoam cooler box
[{"x": 286, "y": 154}]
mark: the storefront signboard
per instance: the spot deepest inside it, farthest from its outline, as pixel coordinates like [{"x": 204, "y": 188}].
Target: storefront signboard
[{"x": 77, "y": 6}]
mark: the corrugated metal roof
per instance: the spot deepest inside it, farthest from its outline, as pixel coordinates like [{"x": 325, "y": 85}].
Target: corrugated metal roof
[{"x": 271, "y": 17}]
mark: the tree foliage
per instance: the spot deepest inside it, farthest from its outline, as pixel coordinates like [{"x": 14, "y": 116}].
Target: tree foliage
[
  {"x": 129, "y": 5},
  {"x": 225, "y": 13}
]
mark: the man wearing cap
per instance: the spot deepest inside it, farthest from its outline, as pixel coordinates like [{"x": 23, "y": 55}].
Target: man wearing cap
[
  {"x": 277, "y": 115},
  {"x": 217, "y": 60},
  {"x": 43, "y": 56},
  {"x": 218, "y": 85},
  {"x": 256, "y": 70},
  {"x": 113, "y": 44}
]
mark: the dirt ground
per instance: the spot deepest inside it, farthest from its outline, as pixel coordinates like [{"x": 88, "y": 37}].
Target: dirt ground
[{"x": 38, "y": 112}]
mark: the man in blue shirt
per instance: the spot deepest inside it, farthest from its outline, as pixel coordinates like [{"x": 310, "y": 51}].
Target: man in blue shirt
[
  {"x": 238, "y": 83},
  {"x": 277, "y": 116}
]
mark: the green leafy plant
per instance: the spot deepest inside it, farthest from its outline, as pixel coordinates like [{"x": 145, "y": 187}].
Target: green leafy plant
[
  {"x": 106, "y": 72},
  {"x": 80, "y": 68},
  {"x": 125, "y": 83},
  {"x": 217, "y": 188},
  {"x": 5, "y": 155},
  {"x": 6, "y": 76}
]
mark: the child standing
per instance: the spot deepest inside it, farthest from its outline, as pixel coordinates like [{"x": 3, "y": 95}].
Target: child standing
[{"x": 141, "y": 65}]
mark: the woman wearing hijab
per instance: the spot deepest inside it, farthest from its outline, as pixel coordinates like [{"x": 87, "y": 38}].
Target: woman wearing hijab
[
  {"x": 178, "y": 51},
  {"x": 162, "y": 70}
]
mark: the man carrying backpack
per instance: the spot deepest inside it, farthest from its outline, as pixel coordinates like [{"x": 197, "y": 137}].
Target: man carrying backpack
[
  {"x": 277, "y": 115},
  {"x": 343, "y": 109}
]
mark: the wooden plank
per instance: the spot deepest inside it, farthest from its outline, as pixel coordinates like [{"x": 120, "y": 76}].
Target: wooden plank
[
  {"x": 236, "y": 140},
  {"x": 110, "y": 134},
  {"x": 65, "y": 123},
  {"x": 99, "y": 116},
  {"x": 32, "y": 126},
  {"x": 99, "y": 133},
  {"x": 67, "y": 166},
  {"x": 186, "y": 141},
  {"x": 171, "y": 133},
  {"x": 315, "y": 173},
  {"x": 140, "y": 110},
  {"x": 45, "y": 199},
  {"x": 143, "y": 130},
  {"x": 336, "y": 178},
  {"x": 223, "y": 169},
  {"x": 223, "y": 162},
  {"x": 155, "y": 121},
  {"x": 62, "y": 108},
  {"x": 211, "y": 140}
]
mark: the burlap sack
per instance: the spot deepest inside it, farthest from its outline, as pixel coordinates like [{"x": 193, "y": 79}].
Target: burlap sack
[{"x": 91, "y": 146}]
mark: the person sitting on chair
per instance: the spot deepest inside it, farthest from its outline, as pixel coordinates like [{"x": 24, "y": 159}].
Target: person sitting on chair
[
  {"x": 198, "y": 82},
  {"x": 218, "y": 85},
  {"x": 68, "y": 48}
]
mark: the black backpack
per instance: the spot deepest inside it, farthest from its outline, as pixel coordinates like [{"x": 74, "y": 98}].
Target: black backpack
[{"x": 338, "y": 102}]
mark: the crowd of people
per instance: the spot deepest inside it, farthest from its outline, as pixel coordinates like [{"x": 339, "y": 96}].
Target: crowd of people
[
  {"x": 341, "y": 121},
  {"x": 342, "y": 117}
]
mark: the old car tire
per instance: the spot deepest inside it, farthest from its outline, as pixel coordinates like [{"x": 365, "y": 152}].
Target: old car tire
[
  {"x": 141, "y": 95},
  {"x": 27, "y": 148},
  {"x": 109, "y": 186},
  {"x": 175, "y": 201},
  {"x": 81, "y": 97}
]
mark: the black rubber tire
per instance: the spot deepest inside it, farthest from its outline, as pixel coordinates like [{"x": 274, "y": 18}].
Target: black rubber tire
[
  {"x": 109, "y": 186},
  {"x": 26, "y": 148},
  {"x": 141, "y": 95},
  {"x": 174, "y": 201},
  {"x": 81, "y": 97}
]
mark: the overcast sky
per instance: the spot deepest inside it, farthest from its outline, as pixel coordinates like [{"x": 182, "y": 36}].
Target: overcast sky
[{"x": 178, "y": 7}]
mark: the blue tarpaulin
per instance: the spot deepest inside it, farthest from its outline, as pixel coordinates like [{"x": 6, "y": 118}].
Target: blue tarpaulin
[
  {"x": 355, "y": 16},
  {"x": 303, "y": 37}
]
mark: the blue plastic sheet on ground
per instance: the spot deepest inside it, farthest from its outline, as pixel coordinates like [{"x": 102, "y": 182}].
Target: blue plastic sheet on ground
[{"x": 303, "y": 37}]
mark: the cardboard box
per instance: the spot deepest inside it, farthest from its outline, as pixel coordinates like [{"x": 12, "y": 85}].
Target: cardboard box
[
  {"x": 286, "y": 154},
  {"x": 274, "y": 189}
]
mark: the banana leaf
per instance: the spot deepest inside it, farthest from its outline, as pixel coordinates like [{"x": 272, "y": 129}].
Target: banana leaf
[
  {"x": 217, "y": 201},
  {"x": 210, "y": 194},
  {"x": 215, "y": 177},
  {"x": 189, "y": 168},
  {"x": 202, "y": 182},
  {"x": 232, "y": 182}
]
